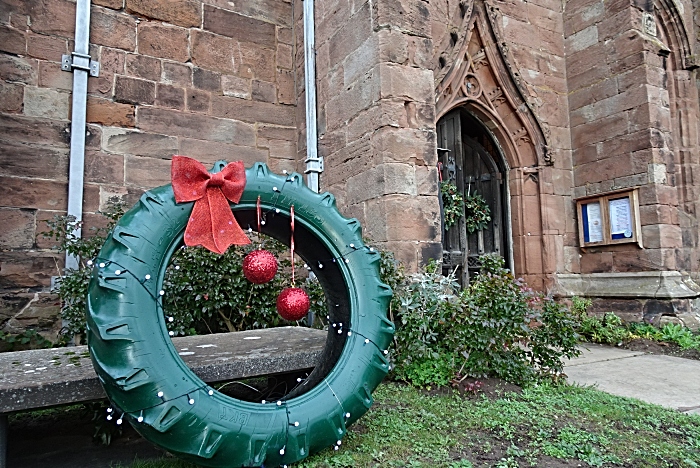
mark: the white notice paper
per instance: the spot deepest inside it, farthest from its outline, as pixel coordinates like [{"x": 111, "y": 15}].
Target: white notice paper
[
  {"x": 595, "y": 224},
  {"x": 620, "y": 217}
]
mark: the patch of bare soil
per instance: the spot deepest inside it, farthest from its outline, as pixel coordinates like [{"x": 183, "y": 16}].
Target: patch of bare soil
[{"x": 657, "y": 347}]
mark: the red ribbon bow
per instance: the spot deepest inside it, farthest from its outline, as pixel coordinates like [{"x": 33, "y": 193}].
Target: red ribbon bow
[{"x": 211, "y": 223}]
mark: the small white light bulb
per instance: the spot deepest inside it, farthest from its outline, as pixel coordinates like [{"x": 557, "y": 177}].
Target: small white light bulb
[
  {"x": 102, "y": 265},
  {"x": 109, "y": 417},
  {"x": 279, "y": 403},
  {"x": 147, "y": 277},
  {"x": 171, "y": 333},
  {"x": 339, "y": 442},
  {"x": 170, "y": 319},
  {"x": 347, "y": 415},
  {"x": 117, "y": 272},
  {"x": 109, "y": 410},
  {"x": 160, "y": 394},
  {"x": 281, "y": 451},
  {"x": 296, "y": 423},
  {"x": 161, "y": 292},
  {"x": 191, "y": 401},
  {"x": 119, "y": 421},
  {"x": 140, "y": 419},
  {"x": 366, "y": 341},
  {"x": 89, "y": 263},
  {"x": 211, "y": 392}
]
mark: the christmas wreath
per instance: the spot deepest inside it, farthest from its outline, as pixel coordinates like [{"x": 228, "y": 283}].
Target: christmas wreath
[
  {"x": 477, "y": 213},
  {"x": 452, "y": 203}
]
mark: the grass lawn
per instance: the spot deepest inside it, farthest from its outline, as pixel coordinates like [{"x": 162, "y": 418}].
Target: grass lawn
[{"x": 545, "y": 426}]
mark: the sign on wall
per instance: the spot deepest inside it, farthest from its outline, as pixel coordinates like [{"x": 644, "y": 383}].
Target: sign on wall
[{"x": 609, "y": 218}]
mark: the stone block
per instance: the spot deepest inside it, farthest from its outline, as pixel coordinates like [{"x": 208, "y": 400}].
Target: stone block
[
  {"x": 406, "y": 83},
  {"x": 385, "y": 179},
  {"x": 164, "y": 41},
  {"x": 198, "y": 101},
  {"x": 206, "y": 80},
  {"x": 263, "y": 91},
  {"x": 197, "y": 126},
  {"x": 284, "y": 56},
  {"x": 662, "y": 236},
  {"x": 354, "y": 31},
  {"x": 134, "y": 91},
  {"x": 413, "y": 17},
  {"x": 208, "y": 152},
  {"x": 344, "y": 106},
  {"x": 243, "y": 28},
  {"x": 106, "y": 112},
  {"x": 102, "y": 85},
  {"x": 170, "y": 96},
  {"x": 51, "y": 76},
  {"x": 46, "y": 47},
  {"x": 117, "y": 140},
  {"x": 20, "y": 160},
  {"x": 177, "y": 74},
  {"x": 235, "y": 86},
  {"x": 286, "y": 92},
  {"x": 35, "y": 131},
  {"x": 582, "y": 39},
  {"x": 257, "y": 62},
  {"x": 599, "y": 130},
  {"x": 112, "y": 60},
  {"x": 46, "y": 103},
  {"x": 113, "y": 4},
  {"x": 18, "y": 69},
  {"x": 112, "y": 29},
  {"x": 277, "y": 133},
  {"x": 284, "y": 35},
  {"x": 11, "y": 97},
  {"x": 104, "y": 168},
  {"x": 41, "y": 313},
  {"x": 272, "y": 11},
  {"x": 52, "y": 17},
  {"x": 214, "y": 52},
  {"x": 12, "y": 40},
  {"x": 146, "y": 172},
  {"x": 253, "y": 111},
  {"x": 403, "y": 218},
  {"x": 22, "y": 269},
  {"x": 185, "y": 13},
  {"x": 18, "y": 228},
  {"x": 404, "y": 145},
  {"x": 141, "y": 66}
]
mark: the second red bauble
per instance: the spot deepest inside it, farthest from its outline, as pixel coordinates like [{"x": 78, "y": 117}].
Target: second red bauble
[
  {"x": 259, "y": 266},
  {"x": 293, "y": 304}
]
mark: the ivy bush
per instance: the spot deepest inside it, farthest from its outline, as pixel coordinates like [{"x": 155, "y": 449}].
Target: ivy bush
[{"x": 497, "y": 326}]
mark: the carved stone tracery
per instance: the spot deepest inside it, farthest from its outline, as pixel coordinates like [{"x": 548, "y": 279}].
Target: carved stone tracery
[{"x": 477, "y": 73}]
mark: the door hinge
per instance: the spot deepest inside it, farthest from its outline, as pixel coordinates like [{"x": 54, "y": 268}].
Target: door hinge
[{"x": 81, "y": 62}]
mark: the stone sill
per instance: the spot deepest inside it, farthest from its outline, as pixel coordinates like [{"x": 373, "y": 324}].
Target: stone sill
[{"x": 647, "y": 284}]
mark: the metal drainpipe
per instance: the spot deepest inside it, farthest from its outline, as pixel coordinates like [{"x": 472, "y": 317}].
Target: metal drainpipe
[
  {"x": 314, "y": 164},
  {"x": 80, "y": 64}
]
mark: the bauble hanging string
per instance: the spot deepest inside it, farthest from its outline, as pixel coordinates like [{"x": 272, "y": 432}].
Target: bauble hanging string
[
  {"x": 260, "y": 265},
  {"x": 293, "y": 303}
]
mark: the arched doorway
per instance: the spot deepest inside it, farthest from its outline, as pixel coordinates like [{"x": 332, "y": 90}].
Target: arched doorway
[{"x": 471, "y": 159}]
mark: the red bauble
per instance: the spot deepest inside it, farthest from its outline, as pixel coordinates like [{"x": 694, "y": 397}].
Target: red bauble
[
  {"x": 259, "y": 266},
  {"x": 293, "y": 304}
]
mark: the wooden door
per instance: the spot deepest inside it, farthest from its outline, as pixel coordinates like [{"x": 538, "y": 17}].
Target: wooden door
[{"x": 467, "y": 164}]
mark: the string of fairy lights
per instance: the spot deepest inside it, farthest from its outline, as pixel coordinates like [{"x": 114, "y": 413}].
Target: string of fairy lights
[{"x": 148, "y": 283}]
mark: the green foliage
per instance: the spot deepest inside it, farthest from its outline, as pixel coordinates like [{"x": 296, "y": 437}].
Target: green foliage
[
  {"x": 207, "y": 293},
  {"x": 204, "y": 292},
  {"x": 496, "y": 327},
  {"x": 452, "y": 204},
  {"x": 477, "y": 213},
  {"x": 72, "y": 286},
  {"x": 27, "y": 339},
  {"x": 607, "y": 329}
]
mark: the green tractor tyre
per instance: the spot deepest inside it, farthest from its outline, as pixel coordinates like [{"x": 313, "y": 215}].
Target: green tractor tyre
[{"x": 152, "y": 388}]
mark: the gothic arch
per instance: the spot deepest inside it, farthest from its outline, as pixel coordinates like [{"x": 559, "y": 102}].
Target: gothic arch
[{"x": 474, "y": 70}]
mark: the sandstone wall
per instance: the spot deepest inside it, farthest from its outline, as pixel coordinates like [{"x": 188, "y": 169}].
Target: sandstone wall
[
  {"x": 212, "y": 80},
  {"x": 377, "y": 121}
]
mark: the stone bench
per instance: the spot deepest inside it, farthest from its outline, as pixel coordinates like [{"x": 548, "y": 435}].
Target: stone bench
[{"x": 50, "y": 377}]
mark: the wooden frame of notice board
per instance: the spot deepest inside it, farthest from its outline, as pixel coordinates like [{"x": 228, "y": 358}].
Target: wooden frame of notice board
[{"x": 609, "y": 218}]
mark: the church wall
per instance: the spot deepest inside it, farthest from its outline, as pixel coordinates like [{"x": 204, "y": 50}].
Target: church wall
[{"x": 205, "y": 79}]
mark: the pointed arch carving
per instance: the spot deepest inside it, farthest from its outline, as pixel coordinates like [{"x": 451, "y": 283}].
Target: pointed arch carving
[
  {"x": 679, "y": 40},
  {"x": 477, "y": 73}
]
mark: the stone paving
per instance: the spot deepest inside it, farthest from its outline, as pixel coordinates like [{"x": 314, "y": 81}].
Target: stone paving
[{"x": 663, "y": 380}]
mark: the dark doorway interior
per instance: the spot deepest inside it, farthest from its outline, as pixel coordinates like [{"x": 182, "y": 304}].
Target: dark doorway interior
[{"x": 471, "y": 160}]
